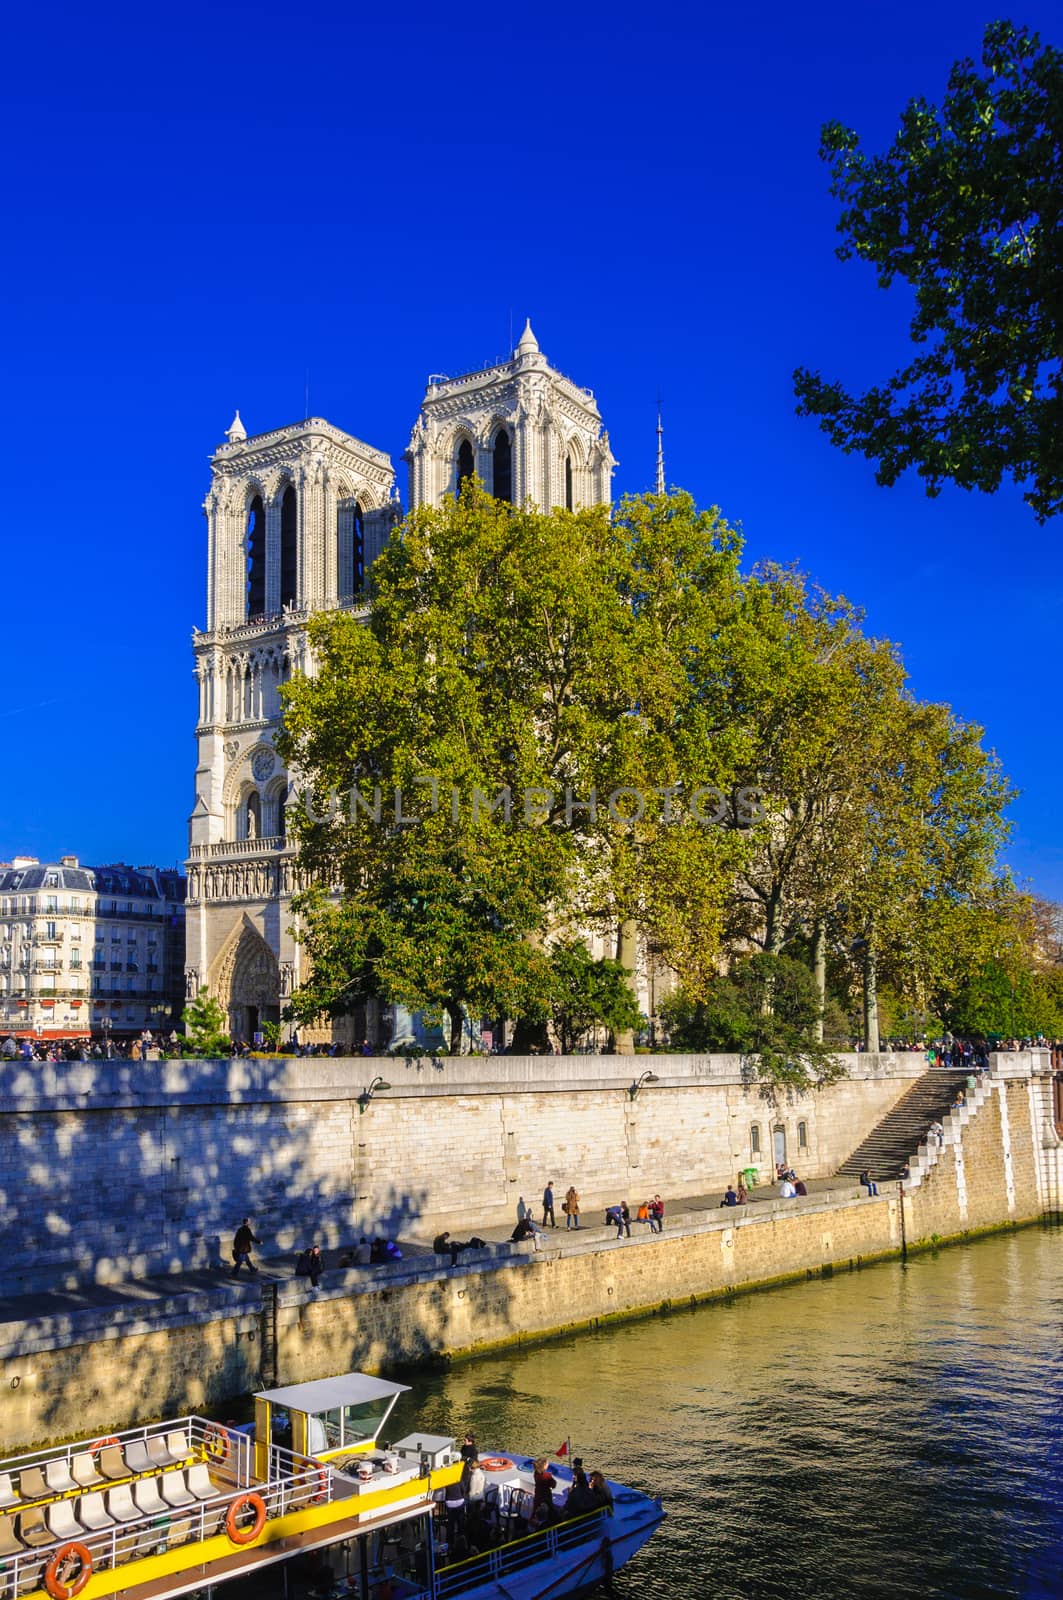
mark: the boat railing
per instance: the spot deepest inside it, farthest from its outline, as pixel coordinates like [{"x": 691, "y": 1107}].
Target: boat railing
[
  {"x": 524, "y": 1552},
  {"x": 292, "y": 1482}
]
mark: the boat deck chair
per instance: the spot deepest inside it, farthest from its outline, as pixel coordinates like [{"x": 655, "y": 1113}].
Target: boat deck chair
[
  {"x": 174, "y": 1490},
  {"x": 31, "y": 1484},
  {"x": 62, "y": 1521},
  {"x": 57, "y": 1477},
  {"x": 159, "y": 1452},
  {"x": 83, "y": 1471},
  {"x": 120, "y": 1504},
  {"x": 137, "y": 1458},
  {"x": 92, "y": 1516},
  {"x": 9, "y": 1496},
  {"x": 112, "y": 1463},
  {"x": 179, "y": 1532},
  {"x": 10, "y": 1543},
  {"x": 177, "y": 1443},
  {"x": 146, "y": 1495},
  {"x": 32, "y": 1528},
  {"x": 198, "y": 1480}
]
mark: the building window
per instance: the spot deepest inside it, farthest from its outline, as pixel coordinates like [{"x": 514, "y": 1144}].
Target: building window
[
  {"x": 754, "y": 1138},
  {"x": 802, "y": 1135},
  {"x": 778, "y": 1144},
  {"x": 503, "y": 467},
  {"x": 51, "y": 902},
  {"x": 466, "y": 464},
  {"x": 251, "y": 821},
  {"x": 568, "y": 483},
  {"x": 256, "y": 558},
  {"x": 350, "y": 553},
  {"x": 75, "y": 902},
  {"x": 49, "y": 930},
  {"x": 289, "y": 548}
]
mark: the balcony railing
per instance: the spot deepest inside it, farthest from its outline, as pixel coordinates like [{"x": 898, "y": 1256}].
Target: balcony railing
[{"x": 238, "y": 847}]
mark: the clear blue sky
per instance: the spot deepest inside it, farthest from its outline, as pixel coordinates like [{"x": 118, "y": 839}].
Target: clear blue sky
[{"x": 205, "y": 203}]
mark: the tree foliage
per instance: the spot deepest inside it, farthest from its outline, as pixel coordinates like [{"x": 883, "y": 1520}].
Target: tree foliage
[
  {"x": 206, "y": 1027},
  {"x": 966, "y": 207},
  {"x": 586, "y": 994},
  {"x": 765, "y": 1008}
]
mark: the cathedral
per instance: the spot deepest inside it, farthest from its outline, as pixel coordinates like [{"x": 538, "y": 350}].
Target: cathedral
[{"x": 295, "y": 519}]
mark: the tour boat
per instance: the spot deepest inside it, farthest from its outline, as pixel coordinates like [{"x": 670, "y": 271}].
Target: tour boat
[{"x": 305, "y": 1502}]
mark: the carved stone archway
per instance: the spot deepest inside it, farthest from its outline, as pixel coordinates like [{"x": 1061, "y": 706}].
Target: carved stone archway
[{"x": 245, "y": 979}]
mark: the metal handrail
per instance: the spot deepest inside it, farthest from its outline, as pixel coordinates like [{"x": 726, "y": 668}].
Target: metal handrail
[
  {"x": 522, "y": 1552},
  {"x": 292, "y": 1481}
]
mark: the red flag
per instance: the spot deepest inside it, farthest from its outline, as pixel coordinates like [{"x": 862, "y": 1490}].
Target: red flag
[{"x": 562, "y": 1450}]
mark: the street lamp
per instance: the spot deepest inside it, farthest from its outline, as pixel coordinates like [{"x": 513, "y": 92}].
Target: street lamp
[
  {"x": 646, "y": 1077},
  {"x": 367, "y": 1094}
]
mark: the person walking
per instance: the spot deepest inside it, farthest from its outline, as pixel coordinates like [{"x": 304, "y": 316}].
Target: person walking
[
  {"x": 548, "y": 1205},
  {"x": 571, "y": 1207},
  {"x": 243, "y": 1239}
]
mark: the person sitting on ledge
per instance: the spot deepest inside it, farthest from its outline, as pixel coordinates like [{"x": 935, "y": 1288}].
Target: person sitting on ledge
[
  {"x": 799, "y": 1187},
  {"x": 743, "y": 1193},
  {"x": 525, "y": 1229},
  {"x": 730, "y": 1198},
  {"x": 868, "y": 1182},
  {"x": 443, "y": 1245},
  {"x": 787, "y": 1190}
]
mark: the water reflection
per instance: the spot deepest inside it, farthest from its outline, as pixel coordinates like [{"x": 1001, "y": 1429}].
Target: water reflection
[{"x": 893, "y": 1432}]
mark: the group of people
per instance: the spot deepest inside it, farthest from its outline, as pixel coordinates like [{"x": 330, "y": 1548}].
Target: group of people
[
  {"x": 650, "y": 1213},
  {"x": 309, "y": 1263},
  {"x": 477, "y": 1521}
]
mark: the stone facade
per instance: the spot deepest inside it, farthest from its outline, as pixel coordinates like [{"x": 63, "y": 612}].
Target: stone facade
[
  {"x": 89, "y": 950},
  {"x": 184, "y": 1149},
  {"x": 295, "y": 519}
]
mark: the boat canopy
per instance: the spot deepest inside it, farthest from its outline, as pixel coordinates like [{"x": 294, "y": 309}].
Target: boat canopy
[
  {"x": 327, "y": 1417},
  {"x": 326, "y": 1394}
]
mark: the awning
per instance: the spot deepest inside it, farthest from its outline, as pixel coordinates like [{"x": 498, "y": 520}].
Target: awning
[{"x": 329, "y": 1394}]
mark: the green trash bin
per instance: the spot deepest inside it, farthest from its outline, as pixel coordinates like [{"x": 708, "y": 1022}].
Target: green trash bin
[{"x": 749, "y": 1176}]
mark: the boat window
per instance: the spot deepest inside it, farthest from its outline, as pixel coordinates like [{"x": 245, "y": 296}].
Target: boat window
[{"x": 363, "y": 1421}]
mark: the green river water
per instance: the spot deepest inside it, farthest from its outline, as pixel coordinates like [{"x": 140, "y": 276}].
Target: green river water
[{"x": 891, "y": 1432}]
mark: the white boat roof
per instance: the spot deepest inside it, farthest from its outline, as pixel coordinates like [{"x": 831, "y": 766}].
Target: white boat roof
[{"x": 328, "y": 1394}]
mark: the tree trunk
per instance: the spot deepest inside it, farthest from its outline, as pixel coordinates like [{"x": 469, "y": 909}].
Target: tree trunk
[
  {"x": 627, "y": 945},
  {"x": 871, "y": 1040},
  {"x": 456, "y": 1013},
  {"x": 819, "y": 971}
]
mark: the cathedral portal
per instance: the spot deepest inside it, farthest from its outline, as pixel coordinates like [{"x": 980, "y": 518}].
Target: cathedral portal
[{"x": 245, "y": 980}]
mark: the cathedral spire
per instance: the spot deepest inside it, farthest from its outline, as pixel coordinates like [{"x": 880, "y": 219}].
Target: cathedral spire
[
  {"x": 660, "y": 489},
  {"x": 529, "y": 344},
  {"x": 236, "y": 433}
]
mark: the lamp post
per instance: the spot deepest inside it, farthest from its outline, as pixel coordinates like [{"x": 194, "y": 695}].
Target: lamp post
[
  {"x": 367, "y": 1094},
  {"x": 644, "y": 1078}
]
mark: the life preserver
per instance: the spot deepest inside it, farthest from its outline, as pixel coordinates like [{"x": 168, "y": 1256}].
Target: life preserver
[
  {"x": 240, "y": 1535},
  {"x": 496, "y": 1463},
  {"x": 216, "y": 1442},
  {"x": 321, "y": 1492},
  {"x": 101, "y": 1444},
  {"x": 56, "y": 1586}
]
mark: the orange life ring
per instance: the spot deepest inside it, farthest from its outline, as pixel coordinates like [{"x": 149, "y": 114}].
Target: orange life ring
[
  {"x": 217, "y": 1442},
  {"x": 496, "y": 1463},
  {"x": 321, "y": 1492},
  {"x": 56, "y": 1586},
  {"x": 101, "y": 1444},
  {"x": 240, "y": 1535}
]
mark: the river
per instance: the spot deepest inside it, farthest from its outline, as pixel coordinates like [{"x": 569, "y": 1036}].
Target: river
[{"x": 890, "y": 1432}]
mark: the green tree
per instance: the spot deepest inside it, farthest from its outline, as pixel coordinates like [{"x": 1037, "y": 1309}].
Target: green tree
[
  {"x": 204, "y": 1023},
  {"x": 966, "y": 207},
  {"x": 765, "y": 1008},
  {"x": 586, "y": 993}
]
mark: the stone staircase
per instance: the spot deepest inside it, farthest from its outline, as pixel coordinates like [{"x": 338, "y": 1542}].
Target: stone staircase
[{"x": 902, "y": 1132}]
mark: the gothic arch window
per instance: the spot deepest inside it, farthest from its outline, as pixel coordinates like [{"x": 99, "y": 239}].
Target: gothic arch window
[
  {"x": 256, "y": 558},
  {"x": 466, "y": 463},
  {"x": 568, "y": 483},
  {"x": 350, "y": 551},
  {"x": 289, "y": 548},
  {"x": 502, "y": 480}
]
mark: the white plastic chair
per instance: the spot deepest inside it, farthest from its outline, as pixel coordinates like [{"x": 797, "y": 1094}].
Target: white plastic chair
[
  {"x": 8, "y": 1495},
  {"x": 91, "y": 1514},
  {"x": 57, "y": 1477},
  {"x": 120, "y": 1503},
  {"x": 199, "y": 1484},
  {"x": 178, "y": 1446},
  {"x": 174, "y": 1491},
  {"x": 83, "y": 1470},
  {"x": 146, "y": 1495},
  {"x": 158, "y": 1453},
  {"x": 62, "y": 1521},
  {"x": 137, "y": 1458}
]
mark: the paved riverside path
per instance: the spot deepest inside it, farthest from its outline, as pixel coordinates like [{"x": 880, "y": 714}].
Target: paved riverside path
[{"x": 128, "y": 1295}]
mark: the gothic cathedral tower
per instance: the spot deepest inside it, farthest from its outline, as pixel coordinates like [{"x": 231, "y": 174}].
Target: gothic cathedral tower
[{"x": 295, "y": 519}]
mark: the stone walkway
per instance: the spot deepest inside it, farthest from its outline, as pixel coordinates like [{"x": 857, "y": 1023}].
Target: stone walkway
[{"x": 680, "y": 1214}]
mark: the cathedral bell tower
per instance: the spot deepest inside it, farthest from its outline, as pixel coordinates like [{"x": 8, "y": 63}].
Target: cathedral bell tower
[{"x": 530, "y": 434}]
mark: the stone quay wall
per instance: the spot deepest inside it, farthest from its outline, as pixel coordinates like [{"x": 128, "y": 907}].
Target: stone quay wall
[
  {"x": 116, "y": 1169},
  {"x": 103, "y": 1369}
]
